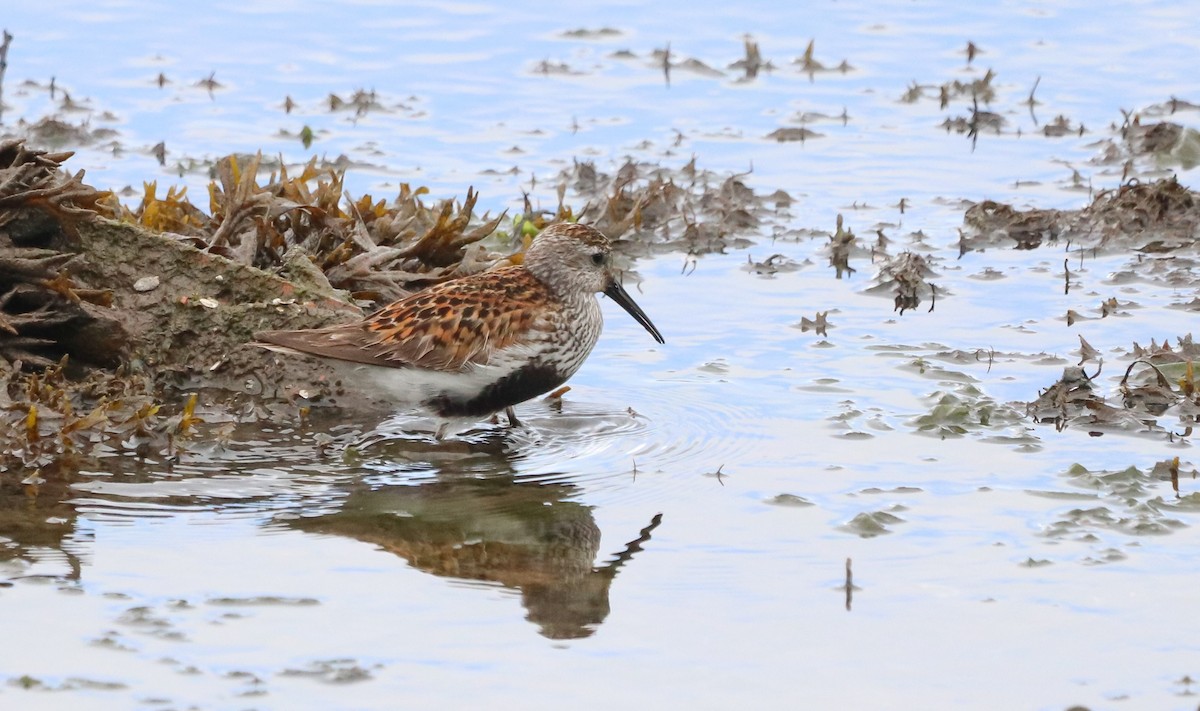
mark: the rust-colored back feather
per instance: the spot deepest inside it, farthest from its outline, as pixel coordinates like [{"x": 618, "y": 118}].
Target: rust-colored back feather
[{"x": 445, "y": 327}]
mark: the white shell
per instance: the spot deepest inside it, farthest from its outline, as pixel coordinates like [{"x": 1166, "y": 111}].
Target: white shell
[{"x": 149, "y": 283}]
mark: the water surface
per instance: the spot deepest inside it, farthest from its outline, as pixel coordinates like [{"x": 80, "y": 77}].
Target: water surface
[{"x": 996, "y": 563}]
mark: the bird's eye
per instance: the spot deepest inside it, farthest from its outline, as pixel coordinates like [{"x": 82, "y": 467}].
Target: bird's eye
[{"x": 598, "y": 258}]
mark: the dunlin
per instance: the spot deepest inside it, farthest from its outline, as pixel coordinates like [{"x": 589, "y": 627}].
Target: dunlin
[{"x": 476, "y": 345}]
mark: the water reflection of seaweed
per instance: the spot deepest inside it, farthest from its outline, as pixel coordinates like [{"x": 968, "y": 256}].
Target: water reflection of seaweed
[
  {"x": 39, "y": 527},
  {"x": 527, "y": 535}
]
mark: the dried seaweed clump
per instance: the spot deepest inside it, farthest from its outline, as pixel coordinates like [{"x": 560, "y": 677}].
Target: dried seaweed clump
[
  {"x": 1154, "y": 217},
  {"x": 1167, "y": 142},
  {"x": 51, "y": 424},
  {"x": 991, "y": 223},
  {"x": 1159, "y": 382},
  {"x": 45, "y": 312},
  {"x": 1163, "y": 143},
  {"x": 906, "y": 276},
  {"x": 378, "y": 252},
  {"x": 978, "y": 90},
  {"x": 1160, "y": 216},
  {"x": 1070, "y": 400},
  {"x": 661, "y": 210}
]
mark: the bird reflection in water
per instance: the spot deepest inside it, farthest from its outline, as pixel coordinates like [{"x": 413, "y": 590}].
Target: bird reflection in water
[{"x": 477, "y": 520}]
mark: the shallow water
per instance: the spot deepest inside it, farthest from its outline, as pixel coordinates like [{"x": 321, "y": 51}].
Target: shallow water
[{"x": 996, "y": 563}]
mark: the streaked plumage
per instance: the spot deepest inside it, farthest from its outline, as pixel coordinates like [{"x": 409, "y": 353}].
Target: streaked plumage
[{"x": 482, "y": 343}]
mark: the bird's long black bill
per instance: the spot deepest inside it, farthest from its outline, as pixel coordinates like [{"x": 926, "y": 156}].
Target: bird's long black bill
[{"x": 617, "y": 293}]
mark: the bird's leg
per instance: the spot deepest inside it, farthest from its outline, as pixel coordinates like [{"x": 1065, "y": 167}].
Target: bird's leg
[
  {"x": 512, "y": 417},
  {"x": 441, "y": 431}
]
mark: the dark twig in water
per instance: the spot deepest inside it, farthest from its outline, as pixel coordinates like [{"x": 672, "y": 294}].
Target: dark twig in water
[
  {"x": 1162, "y": 379},
  {"x": 991, "y": 357},
  {"x": 972, "y": 50},
  {"x": 1031, "y": 102},
  {"x": 849, "y": 586},
  {"x": 666, "y": 64},
  {"x": 3, "y": 66},
  {"x": 973, "y": 123},
  {"x": 210, "y": 84}
]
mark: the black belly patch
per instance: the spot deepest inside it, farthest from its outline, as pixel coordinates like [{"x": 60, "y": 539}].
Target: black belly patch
[{"x": 519, "y": 386}]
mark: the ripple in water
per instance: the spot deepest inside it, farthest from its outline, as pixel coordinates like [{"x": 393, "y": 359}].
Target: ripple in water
[
  {"x": 586, "y": 446},
  {"x": 678, "y": 436}
]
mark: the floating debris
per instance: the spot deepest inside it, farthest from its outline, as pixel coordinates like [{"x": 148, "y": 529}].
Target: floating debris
[
  {"x": 1127, "y": 502},
  {"x": 1159, "y": 382},
  {"x": 808, "y": 63},
  {"x": 906, "y": 276},
  {"x": 752, "y": 63},
  {"x": 1066, "y": 400},
  {"x": 50, "y": 424},
  {"x": 1061, "y": 126},
  {"x": 841, "y": 244},
  {"x": 789, "y": 500},
  {"x": 548, "y": 68},
  {"x": 772, "y": 265},
  {"x": 1152, "y": 218},
  {"x": 972, "y": 51},
  {"x": 1159, "y": 143},
  {"x": 591, "y": 34},
  {"x": 965, "y": 411},
  {"x": 650, "y": 208},
  {"x": 820, "y": 324},
  {"x": 871, "y": 524},
  {"x": 787, "y": 135},
  {"x": 978, "y": 90}
]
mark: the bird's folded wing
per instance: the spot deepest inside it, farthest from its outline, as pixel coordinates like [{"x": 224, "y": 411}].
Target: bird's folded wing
[{"x": 449, "y": 327}]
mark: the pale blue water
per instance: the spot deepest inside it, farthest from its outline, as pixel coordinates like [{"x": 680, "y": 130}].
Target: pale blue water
[{"x": 229, "y": 580}]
